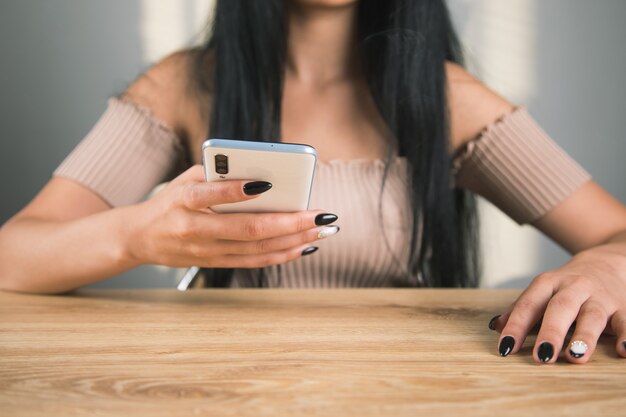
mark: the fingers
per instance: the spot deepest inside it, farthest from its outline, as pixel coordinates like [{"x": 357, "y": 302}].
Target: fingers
[
  {"x": 526, "y": 311},
  {"x": 254, "y": 227},
  {"x": 585, "y": 294},
  {"x": 618, "y": 324},
  {"x": 590, "y": 324},
  {"x": 277, "y": 243},
  {"x": 560, "y": 307},
  {"x": 263, "y": 260},
  {"x": 559, "y": 315},
  {"x": 230, "y": 247},
  {"x": 197, "y": 235}
]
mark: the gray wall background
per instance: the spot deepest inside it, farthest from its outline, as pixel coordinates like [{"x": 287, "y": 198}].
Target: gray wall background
[{"x": 61, "y": 59}]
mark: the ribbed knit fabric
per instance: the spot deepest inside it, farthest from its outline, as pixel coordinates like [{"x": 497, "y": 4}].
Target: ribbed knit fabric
[
  {"x": 126, "y": 154},
  {"x": 372, "y": 248},
  {"x": 516, "y": 166},
  {"x": 513, "y": 163}
]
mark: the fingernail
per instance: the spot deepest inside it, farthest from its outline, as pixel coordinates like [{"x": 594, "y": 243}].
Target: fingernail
[
  {"x": 624, "y": 344},
  {"x": 325, "y": 219},
  {"x": 506, "y": 345},
  {"x": 492, "y": 322},
  {"x": 577, "y": 349},
  {"x": 327, "y": 231},
  {"x": 545, "y": 352},
  {"x": 309, "y": 250},
  {"x": 256, "y": 187}
]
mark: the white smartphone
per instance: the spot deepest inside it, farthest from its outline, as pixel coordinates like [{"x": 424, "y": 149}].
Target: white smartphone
[{"x": 289, "y": 167}]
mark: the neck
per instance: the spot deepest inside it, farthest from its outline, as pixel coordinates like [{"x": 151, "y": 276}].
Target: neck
[{"x": 321, "y": 43}]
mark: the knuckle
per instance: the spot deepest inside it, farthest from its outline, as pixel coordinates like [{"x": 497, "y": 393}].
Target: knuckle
[
  {"x": 262, "y": 246},
  {"x": 197, "y": 251},
  {"x": 619, "y": 321},
  {"x": 184, "y": 229},
  {"x": 563, "y": 301},
  {"x": 594, "y": 311},
  {"x": 545, "y": 279},
  {"x": 524, "y": 305},
  {"x": 582, "y": 281},
  {"x": 301, "y": 224},
  {"x": 191, "y": 195},
  {"x": 254, "y": 229}
]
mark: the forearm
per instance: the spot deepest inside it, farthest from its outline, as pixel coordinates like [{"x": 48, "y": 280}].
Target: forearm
[{"x": 44, "y": 256}]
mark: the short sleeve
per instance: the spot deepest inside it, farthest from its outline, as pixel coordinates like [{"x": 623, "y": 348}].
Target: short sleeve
[
  {"x": 518, "y": 167},
  {"x": 126, "y": 154}
]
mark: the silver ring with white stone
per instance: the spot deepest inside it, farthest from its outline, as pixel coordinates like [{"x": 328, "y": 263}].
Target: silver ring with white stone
[
  {"x": 577, "y": 349},
  {"x": 327, "y": 231}
]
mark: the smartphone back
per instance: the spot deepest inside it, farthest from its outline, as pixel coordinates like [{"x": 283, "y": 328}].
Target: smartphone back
[{"x": 288, "y": 167}]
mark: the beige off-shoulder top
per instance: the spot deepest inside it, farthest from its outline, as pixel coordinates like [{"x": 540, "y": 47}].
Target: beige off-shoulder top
[{"x": 513, "y": 162}]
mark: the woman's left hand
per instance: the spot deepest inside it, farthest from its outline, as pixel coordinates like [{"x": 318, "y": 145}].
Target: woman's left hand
[{"x": 589, "y": 291}]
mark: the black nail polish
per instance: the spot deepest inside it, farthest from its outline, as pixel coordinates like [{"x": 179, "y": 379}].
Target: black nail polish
[
  {"x": 545, "y": 352},
  {"x": 310, "y": 250},
  {"x": 256, "y": 187},
  {"x": 506, "y": 345},
  {"x": 325, "y": 219},
  {"x": 492, "y": 322},
  {"x": 624, "y": 344}
]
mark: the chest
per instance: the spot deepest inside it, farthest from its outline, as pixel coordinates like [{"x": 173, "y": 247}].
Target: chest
[{"x": 341, "y": 122}]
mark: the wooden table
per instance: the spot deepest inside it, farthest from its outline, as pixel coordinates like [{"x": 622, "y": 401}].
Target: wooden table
[{"x": 383, "y": 352}]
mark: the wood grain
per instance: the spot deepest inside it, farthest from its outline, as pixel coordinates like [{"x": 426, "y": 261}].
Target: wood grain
[{"x": 353, "y": 352}]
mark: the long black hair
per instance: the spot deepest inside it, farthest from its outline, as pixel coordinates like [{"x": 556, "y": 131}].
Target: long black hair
[{"x": 403, "y": 47}]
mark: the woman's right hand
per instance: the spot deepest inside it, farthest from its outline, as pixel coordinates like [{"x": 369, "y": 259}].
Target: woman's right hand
[{"x": 177, "y": 228}]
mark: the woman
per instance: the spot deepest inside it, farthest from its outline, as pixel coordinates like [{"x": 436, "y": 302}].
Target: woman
[{"x": 403, "y": 133}]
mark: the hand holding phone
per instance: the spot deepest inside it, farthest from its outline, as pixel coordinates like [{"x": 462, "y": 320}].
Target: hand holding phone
[
  {"x": 288, "y": 167},
  {"x": 175, "y": 227}
]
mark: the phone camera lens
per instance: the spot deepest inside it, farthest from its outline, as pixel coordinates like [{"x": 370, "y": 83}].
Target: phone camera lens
[{"x": 221, "y": 164}]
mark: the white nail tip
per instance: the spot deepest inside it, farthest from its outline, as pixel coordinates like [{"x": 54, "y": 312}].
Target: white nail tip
[
  {"x": 578, "y": 348},
  {"x": 327, "y": 231}
]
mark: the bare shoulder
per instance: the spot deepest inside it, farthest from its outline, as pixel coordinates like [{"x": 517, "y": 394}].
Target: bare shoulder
[
  {"x": 473, "y": 106},
  {"x": 166, "y": 89}
]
